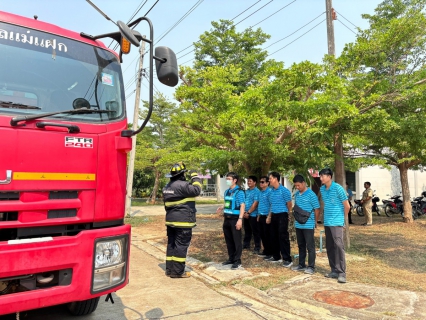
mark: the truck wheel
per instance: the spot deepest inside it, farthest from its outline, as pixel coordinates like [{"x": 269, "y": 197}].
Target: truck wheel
[{"x": 82, "y": 308}]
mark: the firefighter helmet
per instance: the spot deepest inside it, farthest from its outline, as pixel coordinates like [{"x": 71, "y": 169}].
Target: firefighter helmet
[{"x": 177, "y": 169}]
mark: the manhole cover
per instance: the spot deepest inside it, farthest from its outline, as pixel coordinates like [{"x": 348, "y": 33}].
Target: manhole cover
[{"x": 344, "y": 299}]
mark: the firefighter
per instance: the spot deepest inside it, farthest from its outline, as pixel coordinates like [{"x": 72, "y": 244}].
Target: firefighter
[{"x": 179, "y": 201}]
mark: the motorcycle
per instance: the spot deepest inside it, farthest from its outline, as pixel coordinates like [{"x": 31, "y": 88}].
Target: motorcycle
[
  {"x": 374, "y": 208},
  {"x": 393, "y": 206},
  {"x": 396, "y": 206},
  {"x": 419, "y": 205}
]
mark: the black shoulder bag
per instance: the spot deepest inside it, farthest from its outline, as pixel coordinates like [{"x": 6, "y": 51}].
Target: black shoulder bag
[{"x": 300, "y": 215}]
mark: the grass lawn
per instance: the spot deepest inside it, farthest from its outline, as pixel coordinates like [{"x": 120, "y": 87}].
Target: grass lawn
[{"x": 389, "y": 254}]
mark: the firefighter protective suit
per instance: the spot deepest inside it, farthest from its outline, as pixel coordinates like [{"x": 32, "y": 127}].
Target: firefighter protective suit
[{"x": 179, "y": 201}]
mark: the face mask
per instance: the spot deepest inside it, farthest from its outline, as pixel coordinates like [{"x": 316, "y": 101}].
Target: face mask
[{"x": 229, "y": 183}]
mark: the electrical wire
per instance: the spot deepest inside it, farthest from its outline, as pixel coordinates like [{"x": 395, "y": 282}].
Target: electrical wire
[
  {"x": 245, "y": 10},
  {"x": 296, "y": 30},
  {"x": 346, "y": 19},
  {"x": 273, "y": 13},
  {"x": 230, "y": 20},
  {"x": 181, "y": 19},
  {"x": 347, "y": 27},
  {"x": 138, "y": 8},
  {"x": 130, "y": 94},
  {"x": 151, "y": 8},
  {"x": 296, "y": 38},
  {"x": 253, "y": 13}
]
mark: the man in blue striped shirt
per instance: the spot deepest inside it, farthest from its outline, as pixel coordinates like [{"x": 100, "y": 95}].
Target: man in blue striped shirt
[
  {"x": 280, "y": 206},
  {"x": 307, "y": 200},
  {"x": 263, "y": 210},
  {"x": 336, "y": 207},
  {"x": 251, "y": 226}
]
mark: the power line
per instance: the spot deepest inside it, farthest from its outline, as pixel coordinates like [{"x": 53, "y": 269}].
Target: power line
[
  {"x": 245, "y": 10},
  {"x": 181, "y": 19},
  {"x": 253, "y": 13},
  {"x": 138, "y": 8},
  {"x": 273, "y": 13},
  {"x": 296, "y": 30},
  {"x": 347, "y": 27},
  {"x": 187, "y": 61},
  {"x": 297, "y": 38},
  {"x": 231, "y": 20},
  {"x": 346, "y": 19},
  {"x": 151, "y": 8},
  {"x": 129, "y": 95}
]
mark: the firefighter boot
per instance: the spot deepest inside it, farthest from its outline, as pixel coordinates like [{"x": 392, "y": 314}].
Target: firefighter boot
[{"x": 186, "y": 274}]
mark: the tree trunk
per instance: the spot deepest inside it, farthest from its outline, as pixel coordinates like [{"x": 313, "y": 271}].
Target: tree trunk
[
  {"x": 340, "y": 177},
  {"x": 339, "y": 165},
  {"x": 156, "y": 185},
  {"x": 403, "y": 173}
]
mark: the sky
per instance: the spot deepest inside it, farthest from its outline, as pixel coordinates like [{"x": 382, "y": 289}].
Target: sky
[{"x": 281, "y": 18}]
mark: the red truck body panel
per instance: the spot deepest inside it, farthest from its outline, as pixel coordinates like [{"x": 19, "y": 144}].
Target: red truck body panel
[{"x": 90, "y": 164}]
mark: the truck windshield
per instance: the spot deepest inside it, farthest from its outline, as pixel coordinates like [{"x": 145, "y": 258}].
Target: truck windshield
[{"x": 43, "y": 72}]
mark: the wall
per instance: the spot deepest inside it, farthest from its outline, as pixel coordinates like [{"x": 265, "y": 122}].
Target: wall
[{"x": 387, "y": 182}]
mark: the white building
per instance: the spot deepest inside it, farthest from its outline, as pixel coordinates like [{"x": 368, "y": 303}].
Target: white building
[{"x": 384, "y": 182}]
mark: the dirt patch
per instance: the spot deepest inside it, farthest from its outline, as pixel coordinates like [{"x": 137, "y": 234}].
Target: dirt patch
[{"x": 344, "y": 299}]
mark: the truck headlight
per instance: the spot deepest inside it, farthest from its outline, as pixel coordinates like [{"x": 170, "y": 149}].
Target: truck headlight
[{"x": 109, "y": 263}]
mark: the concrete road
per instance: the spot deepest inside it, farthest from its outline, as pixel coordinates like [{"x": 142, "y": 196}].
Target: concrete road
[{"x": 152, "y": 295}]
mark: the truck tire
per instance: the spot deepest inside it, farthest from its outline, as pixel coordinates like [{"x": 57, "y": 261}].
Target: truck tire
[{"x": 82, "y": 308}]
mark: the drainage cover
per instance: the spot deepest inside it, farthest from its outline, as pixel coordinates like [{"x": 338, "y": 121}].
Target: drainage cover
[{"x": 344, "y": 299}]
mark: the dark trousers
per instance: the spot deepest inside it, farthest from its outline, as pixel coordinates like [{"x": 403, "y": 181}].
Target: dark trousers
[
  {"x": 306, "y": 241},
  {"x": 350, "y": 213},
  {"x": 265, "y": 235},
  {"x": 233, "y": 239},
  {"x": 335, "y": 250},
  {"x": 280, "y": 236},
  {"x": 251, "y": 227},
  {"x": 178, "y": 241}
]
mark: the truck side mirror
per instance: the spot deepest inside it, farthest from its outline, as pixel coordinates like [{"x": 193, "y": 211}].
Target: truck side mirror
[{"x": 167, "y": 70}]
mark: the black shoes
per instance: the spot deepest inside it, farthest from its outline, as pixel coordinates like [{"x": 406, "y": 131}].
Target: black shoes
[
  {"x": 227, "y": 262},
  {"x": 183, "y": 275}
]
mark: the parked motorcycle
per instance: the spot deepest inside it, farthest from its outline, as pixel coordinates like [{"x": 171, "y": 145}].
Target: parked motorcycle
[
  {"x": 396, "y": 206},
  {"x": 358, "y": 208},
  {"x": 374, "y": 208},
  {"x": 392, "y": 206},
  {"x": 419, "y": 204}
]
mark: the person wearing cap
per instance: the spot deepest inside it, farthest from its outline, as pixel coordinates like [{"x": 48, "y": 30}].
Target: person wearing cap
[
  {"x": 233, "y": 212},
  {"x": 251, "y": 226},
  {"x": 336, "y": 207},
  {"x": 179, "y": 201}
]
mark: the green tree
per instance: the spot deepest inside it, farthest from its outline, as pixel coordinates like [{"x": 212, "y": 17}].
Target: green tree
[
  {"x": 157, "y": 141},
  {"x": 223, "y": 46},
  {"x": 386, "y": 66}
]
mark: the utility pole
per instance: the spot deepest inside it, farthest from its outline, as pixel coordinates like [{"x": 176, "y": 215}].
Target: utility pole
[
  {"x": 131, "y": 167},
  {"x": 330, "y": 27},
  {"x": 339, "y": 164}
]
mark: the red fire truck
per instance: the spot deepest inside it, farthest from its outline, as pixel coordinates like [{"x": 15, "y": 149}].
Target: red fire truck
[{"x": 64, "y": 144}]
